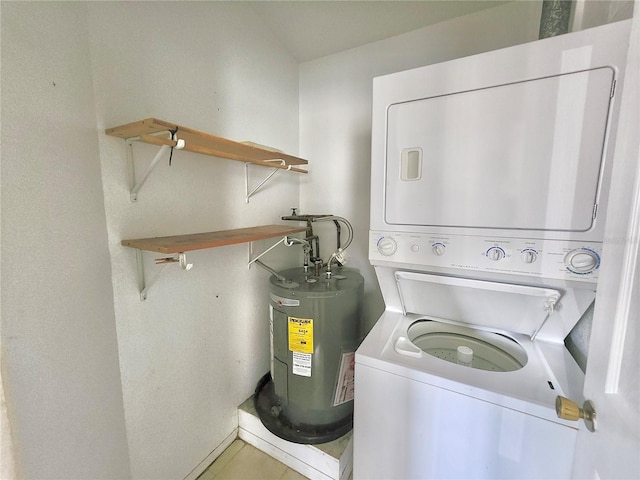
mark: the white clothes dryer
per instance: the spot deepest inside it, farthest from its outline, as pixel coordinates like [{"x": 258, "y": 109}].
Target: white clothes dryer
[{"x": 489, "y": 183}]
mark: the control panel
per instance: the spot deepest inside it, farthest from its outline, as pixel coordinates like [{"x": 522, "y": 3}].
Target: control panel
[{"x": 559, "y": 259}]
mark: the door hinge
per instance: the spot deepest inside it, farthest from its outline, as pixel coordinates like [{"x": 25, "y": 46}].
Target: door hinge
[
  {"x": 595, "y": 211},
  {"x": 613, "y": 89}
]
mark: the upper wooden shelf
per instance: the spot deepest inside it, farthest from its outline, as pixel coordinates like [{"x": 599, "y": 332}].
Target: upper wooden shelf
[
  {"x": 199, "y": 241},
  {"x": 204, "y": 143}
]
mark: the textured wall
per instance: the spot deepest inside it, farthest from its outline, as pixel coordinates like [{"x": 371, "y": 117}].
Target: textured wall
[
  {"x": 59, "y": 353},
  {"x": 577, "y": 342},
  {"x": 195, "y": 349}
]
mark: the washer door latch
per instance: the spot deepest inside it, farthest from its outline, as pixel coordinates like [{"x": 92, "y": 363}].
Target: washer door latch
[{"x": 550, "y": 303}]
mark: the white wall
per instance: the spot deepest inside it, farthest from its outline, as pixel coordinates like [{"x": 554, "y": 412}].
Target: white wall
[
  {"x": 589, "y": 13},
  {"x": 60, "y": 367},
  {"x": 7, "y": 450},
  {"x": 335, "y": 112},
  {"x": 195, "y": 349}
]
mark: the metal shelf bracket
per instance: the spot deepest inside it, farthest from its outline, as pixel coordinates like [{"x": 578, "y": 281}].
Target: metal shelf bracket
[
  {"x": 136, "y": 186},
  {"x": 143, "y": 286},
  {"x": 249, "y": 194},
  {"x": 255, "y": 259}
]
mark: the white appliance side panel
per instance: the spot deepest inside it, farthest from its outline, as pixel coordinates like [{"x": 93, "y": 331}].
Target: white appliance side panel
[
  {"x": 407, "y": 429},
  {"x": 525, "y": 155}
]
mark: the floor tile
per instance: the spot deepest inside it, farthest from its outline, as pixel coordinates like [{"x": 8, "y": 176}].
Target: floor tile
[
  {"x": 241, "y": 461},
  {"x": 292, "y": 475},
  {"x": 223, "y": 460}
]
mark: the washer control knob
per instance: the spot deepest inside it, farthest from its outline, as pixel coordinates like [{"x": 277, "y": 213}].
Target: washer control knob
[
  {"x": 438, "y": 249},
  {"x": 387, "y": 246},
  {"x": 495, "y": 254},
  {"x": 582, "y": 261},
  {"x": 415, "y": 248},
  {"x": 529, "y": 256}
]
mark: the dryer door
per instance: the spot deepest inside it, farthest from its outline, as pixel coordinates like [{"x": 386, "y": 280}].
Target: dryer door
[{"x": 525, "y": 155}]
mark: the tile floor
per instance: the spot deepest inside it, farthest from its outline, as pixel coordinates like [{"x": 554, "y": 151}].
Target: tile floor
[{"x": 242, "y": 461}]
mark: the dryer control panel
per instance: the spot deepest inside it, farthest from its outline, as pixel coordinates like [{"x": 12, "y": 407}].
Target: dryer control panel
[{"x": 558, "y": 259}]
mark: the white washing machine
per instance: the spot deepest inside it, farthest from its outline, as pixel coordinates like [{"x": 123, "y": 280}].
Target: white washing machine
[{"x": 490, "y": 177}]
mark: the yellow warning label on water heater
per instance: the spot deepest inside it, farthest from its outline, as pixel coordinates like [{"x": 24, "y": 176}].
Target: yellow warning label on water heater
[{"x": 301, "y": 335}]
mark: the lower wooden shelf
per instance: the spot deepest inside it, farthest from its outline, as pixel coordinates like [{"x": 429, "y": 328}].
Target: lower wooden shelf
[{"x": 199, "y": 241}]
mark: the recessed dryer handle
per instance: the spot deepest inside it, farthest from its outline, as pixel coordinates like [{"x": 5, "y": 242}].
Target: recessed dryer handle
[{"x": 569, "y": 410}]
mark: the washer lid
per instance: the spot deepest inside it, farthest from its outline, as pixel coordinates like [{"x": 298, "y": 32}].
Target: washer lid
[{"x": 500, "y": 306}]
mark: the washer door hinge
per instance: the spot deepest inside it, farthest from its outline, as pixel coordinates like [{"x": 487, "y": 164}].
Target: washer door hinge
[
  {"x": 595, "y": 211},
  {"x": 613, "y": 89}
]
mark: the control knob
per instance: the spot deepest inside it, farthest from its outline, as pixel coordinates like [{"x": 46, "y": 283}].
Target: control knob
[
  {"x": 495, "y": 253},
  {"x": 438, "y": 249},
  {"x": 529, "y": 256},
  {"x": 582, "y": 261},
  {"x": 387, "y": 246}
]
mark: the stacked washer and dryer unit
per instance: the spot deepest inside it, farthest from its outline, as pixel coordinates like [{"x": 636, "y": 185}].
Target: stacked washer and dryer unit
[{"x": 490, "y": 178}]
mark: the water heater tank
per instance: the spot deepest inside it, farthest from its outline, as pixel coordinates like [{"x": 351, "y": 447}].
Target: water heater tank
[{"x": 307, "y": 397}]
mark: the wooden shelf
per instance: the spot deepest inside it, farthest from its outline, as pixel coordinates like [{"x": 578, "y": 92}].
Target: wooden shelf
[
  {"x": 168, "y": 136},
  {"x": 204, "y": 143},
  {"x": 199, "y": 241}
]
